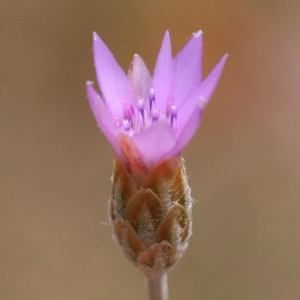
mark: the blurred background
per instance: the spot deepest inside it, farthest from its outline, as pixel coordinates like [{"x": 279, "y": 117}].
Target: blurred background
[{"x": 243, "y": 164}]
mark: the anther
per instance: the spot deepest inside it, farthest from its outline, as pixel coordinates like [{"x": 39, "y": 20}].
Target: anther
[
  {"x": 155, "y": 115},
  {"x": 128, "y": 110},
  {"x": 173, "y": 116},
  {"x": 170, "y": 102},
  {"x": 141, "y": 107},
  {"x": 126, "y": 125},
  {"x": 151, "y": 98}
]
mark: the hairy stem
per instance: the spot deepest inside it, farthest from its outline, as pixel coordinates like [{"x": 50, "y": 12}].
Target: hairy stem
[{"x": 157, "y": 286}]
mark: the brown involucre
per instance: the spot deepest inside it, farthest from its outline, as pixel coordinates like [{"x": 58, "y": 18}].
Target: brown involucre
[{"x": 152, "y": 217}]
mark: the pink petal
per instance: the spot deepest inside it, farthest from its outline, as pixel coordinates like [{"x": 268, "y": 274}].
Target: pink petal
[
  {"x": 189, "y": 130},
  {"x": 102, "y": 115},
  {"x": 209, "y": 85},
  {"x": 199, "y": 99},
  {"x": 162, "y": 76},
  {"x": 113, "y": 82},
  {"x": 139, "y": 77},
  {"x": 191, "y": 112},
  {"x": 187, "y": 69},
  {"x": 155, "y": 141}
]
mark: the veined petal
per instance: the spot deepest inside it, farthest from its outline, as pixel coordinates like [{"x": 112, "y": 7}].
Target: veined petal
[
  {"x": 102, "y": 115},
  {"x": 200, "y": 98},
  {"x": 155, "y": 142},
  {"x": 139, "y": 77},
  {"x": 113, "y": 82},
  {"x": 187, "y": 69},
  {"x": 162, "y": 76}
]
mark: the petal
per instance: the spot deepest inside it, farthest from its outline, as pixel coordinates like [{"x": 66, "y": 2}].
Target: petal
[
  {"x": 155, "y": 142},
  {"x": 190, "y": 113},
  {"x": 201, "y": 96},
  {"x": 189, "y": 130},
  {"x": 187, "y": 69},
  {"x": 209, "y": 84},
  {"x": 113, "y": 82},
  {"x": 139, "y": 77},
  {"x": 102, "y": 115},
  {"x": 162, "y": 76}
]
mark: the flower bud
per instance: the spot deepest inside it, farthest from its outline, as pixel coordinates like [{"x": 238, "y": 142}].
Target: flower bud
[{"x": 152, "y": 218}]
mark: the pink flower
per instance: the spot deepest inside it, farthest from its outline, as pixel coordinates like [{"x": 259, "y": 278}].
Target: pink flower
[{"x": 146, "y": 119}]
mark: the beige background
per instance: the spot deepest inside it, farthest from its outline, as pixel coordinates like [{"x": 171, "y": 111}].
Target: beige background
[{"x": 243, "y": 164}]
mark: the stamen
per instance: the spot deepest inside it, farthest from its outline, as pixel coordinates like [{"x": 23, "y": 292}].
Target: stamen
[
  {"x": 155, "y": 115},
  {"x": 170, "y": 102},
  {"x": 151, "y": 98},
  {"x": 173, "y": 116},
  {"x": 126, "y": 125},
  {"x": 141, "y": 107},
  {"x": 128, "y": 110}
]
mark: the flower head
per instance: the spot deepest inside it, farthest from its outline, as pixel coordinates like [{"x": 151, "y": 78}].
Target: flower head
[{"x": 148, "y": 120}]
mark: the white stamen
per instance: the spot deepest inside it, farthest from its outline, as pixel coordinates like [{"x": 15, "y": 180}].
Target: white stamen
[
  {"x": 141, "y": 107},
  {"x": 126, "y": 125},
  {"x": 170, "y": 102}
]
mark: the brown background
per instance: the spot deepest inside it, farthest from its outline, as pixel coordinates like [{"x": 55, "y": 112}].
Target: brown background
[{"x": 243, "y": 163}]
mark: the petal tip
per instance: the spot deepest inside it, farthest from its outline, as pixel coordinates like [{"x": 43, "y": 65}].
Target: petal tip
[
  {"x": 167, "y": 35},
  {"x": 95, "y": 36},
  {"x": 223, "y": 61},
  {"x": 198, "y": 33}
]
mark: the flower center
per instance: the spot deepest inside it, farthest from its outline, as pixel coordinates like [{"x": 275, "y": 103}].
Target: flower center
[{"x": 139, "y": 118}]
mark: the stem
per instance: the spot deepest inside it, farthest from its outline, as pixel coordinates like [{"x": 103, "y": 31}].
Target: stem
[{"x": 157, "y": 286}]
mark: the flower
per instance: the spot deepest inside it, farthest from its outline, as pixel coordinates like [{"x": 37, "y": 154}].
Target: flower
[{"x": 148, "y": 120}]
